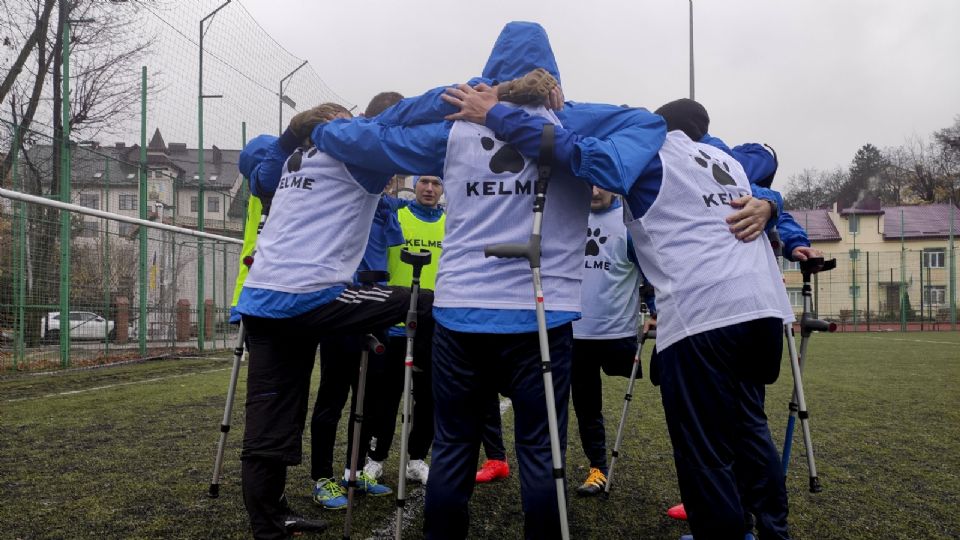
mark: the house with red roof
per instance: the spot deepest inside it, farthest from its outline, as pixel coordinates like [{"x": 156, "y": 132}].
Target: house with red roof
[{"x": 892, "y": 261}]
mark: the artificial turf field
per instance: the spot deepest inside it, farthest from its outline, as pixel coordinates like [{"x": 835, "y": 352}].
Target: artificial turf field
[{"x": 126, "y": 452}]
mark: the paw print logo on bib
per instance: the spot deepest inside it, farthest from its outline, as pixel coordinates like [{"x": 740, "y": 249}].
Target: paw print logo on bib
[
  {"x": 720, "y": 169},
  {"x": 506, "y": 159},
  {"x": 593, "y": 242}
]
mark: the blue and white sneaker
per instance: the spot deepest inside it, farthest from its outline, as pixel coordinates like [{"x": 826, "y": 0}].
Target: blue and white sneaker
[
  {"x": 328, "y": 494},
  {"x": 367, "y": 485}
]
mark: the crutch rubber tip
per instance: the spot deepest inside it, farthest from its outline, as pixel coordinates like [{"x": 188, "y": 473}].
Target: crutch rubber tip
[
  {"x": 815, "y": 486},
  {"x": 214, "y": 491}
]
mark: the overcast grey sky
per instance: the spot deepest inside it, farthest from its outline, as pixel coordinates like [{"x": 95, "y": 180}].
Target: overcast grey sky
[{"x": 816, "y": 80}]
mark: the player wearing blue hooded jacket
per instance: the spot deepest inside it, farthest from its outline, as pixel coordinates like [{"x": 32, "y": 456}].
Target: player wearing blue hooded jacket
[
  {"x": 486, "y": 339},
  {"x": 720, "y": 339},
  {"x": 297, "y": 292},
  {"x": 483, "y": 308}
]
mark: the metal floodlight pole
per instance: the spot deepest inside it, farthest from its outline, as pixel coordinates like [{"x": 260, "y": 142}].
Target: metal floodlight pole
[
  {"x": 691, "y": 49},
  {"x": 201, "y": 331},
  {"x": 288, "y": 101}
]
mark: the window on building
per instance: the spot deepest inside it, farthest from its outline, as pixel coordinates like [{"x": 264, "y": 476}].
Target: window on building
[
  {"x": 934, "y": 258},
  {"x": 89, "y": 200},
  {"x": 796, "y": 297},
  {"x": 854, "y": 223},
  {"x": 854, "y": 291},
  {"x": 194, "y": 204},
  {"x": 935, "y": 295},
  {"x": 89, "y": 229},
  {"x": 213, "y": 205},
  {"x": 790, "y": 266},
  {"x": 128, "y": 201},
  {"x": 127, "y": 229}
]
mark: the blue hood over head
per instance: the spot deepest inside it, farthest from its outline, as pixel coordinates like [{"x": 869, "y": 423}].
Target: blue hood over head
[{"x": 520, "y": 48}]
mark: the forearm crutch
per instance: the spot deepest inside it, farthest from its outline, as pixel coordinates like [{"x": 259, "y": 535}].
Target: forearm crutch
[
  {"x": 531, "y": 252},
  {"x": 798, "y": 404},
  {"x": 370, "y": 343},
  {"x": 627, "y": 398},
  {"x": 417, "y": 261},
  {"x": 214, "y": 490}
]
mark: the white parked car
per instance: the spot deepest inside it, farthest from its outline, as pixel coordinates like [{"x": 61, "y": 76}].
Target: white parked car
[{"x": 83, "y": 325}]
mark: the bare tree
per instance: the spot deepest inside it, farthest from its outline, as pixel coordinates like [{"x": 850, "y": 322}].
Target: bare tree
[
  {"x": 107, "y": 45},
  {"x": 925, "y": 175},
  {"x": 814, "y": 188}
]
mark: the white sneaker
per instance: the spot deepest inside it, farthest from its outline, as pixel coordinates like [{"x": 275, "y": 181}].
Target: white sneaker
[
  {"x": 417, "y": 471},
  {"x": 374, "y": 469}
]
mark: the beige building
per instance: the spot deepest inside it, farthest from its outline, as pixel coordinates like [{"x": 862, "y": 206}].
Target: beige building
[{"x": 891, "y": 261}]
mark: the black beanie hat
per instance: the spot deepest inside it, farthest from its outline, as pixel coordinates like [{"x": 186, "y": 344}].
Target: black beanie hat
[{"x": 686, "y": 115}]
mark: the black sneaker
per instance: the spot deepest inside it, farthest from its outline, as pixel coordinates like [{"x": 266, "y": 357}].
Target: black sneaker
[{"x": 295, "y": 525}]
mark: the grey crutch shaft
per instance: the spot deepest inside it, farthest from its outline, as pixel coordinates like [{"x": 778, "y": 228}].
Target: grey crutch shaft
[
  {"x": 214, "y": 490},
  {"x": 627, "y": 398}
]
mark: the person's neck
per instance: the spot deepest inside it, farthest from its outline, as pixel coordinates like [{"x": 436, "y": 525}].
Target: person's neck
[{"x": 423, "y": 211}]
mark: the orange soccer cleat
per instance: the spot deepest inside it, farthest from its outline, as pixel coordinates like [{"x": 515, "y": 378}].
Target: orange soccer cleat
[
  {"x": 491, "y": 470},
  {"x": 677, "y": 512}
]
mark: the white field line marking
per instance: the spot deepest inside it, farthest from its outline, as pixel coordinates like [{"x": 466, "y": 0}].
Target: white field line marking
[
  {"x": 414, "y": 502},
  {"x": 108, "y": 386},
  {"x": 914, "y": 340}
]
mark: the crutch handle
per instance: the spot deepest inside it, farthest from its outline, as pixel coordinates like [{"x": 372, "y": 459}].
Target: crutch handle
[
  {"x": 649, "y": 334},
  {"x": 529, "y": 251},
  {"x": 507, "y": 251},
  {"x": 815, "y": 265},
  {"x": 810, "y": 324},
  {"x": 416, "y": 259}
]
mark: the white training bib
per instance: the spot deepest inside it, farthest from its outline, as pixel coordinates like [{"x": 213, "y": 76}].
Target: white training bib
[
  {"x": 704, "y": 277},
  {"x": 610, "y": 294},
  {"x": 489, "y": 189},
  {"x": 318, "y": 227}
]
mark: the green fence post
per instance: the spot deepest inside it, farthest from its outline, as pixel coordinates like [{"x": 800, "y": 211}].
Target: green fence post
[
  {"x": 65, "y": 197},
  {"x": 213, "y": 289},
  {"x": 953, "y": 270},
  {"x": 903, "y": 278},
  {"x": 921, "y": 291},
  {"x": 853, "y": 269},
  {"x": 142, "y": 333},
  {"x": 226, "y": 298},
  {"x": 106, "y": 256},
  {"x": 867, "y": 283},
  {"x": 21, "y": 255}
]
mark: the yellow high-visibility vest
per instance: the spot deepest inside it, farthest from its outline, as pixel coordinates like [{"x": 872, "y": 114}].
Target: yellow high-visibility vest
[
  {"x": 418, "y": 234},
  {"x": 254, "y": 210}
]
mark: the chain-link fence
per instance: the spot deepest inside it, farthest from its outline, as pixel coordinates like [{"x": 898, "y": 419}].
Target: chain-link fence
[
  {"x": 84, "y": 284},
  {"x": 904, "y": 290},
  {"x": 157, "y": 143}
]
